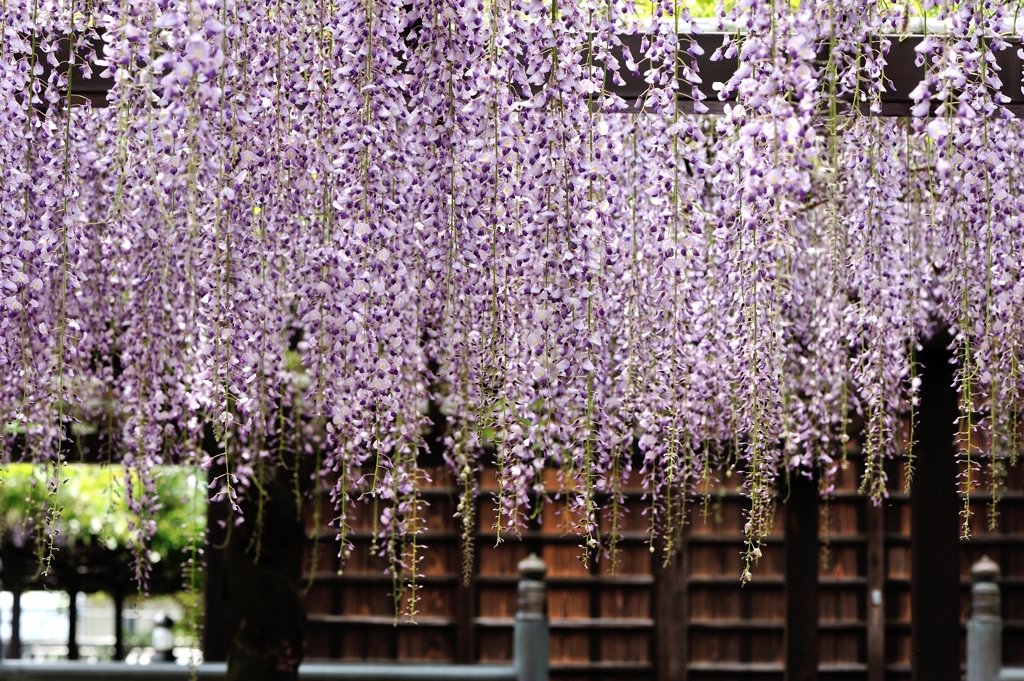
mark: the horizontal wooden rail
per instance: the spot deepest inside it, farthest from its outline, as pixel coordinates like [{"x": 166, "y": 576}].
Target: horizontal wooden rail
[{"x": 900, "y": 74}]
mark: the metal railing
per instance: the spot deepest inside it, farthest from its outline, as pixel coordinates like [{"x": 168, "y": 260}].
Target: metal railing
[
  {"x": 530, "y": 655},
  {"x": 985, "y": 628}
]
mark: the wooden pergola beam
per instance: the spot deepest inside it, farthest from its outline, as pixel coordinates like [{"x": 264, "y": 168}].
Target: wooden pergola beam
[{"x": 900, "y": 74}]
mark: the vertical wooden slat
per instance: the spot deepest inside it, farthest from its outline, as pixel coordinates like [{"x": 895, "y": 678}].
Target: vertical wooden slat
[
  {"x": 73, "y": 620},
  {"x": 335, "y": 643},
  {"x": 802, "y": 647},
  {"x": 670, "y": 614},
  {"x": 745, "y": 644},
  {"x": 935, "y": 556},
  {"x": 464, "y": 597},
  {"x": 16, "y": 571},
  {"x": 594, "y": 596},
  {"x": 876, "y": 592},
  {"x": 682, "y": 651},
  {"x": 118, "y": 623}
]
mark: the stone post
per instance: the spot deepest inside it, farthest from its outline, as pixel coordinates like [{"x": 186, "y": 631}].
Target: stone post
[
  {"x": 531, "y": 638},
  {"x": 985, "y": 626}
]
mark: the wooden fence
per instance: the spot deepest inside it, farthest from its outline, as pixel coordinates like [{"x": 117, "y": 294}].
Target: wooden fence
[{"x": 689, "y": 620}]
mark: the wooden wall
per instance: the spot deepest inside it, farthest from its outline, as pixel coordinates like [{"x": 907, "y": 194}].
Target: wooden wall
[
  {"x": 689, "y": 620},
  {"x": 1004, "y": 543},
  {"x": 602, "y": 625}
]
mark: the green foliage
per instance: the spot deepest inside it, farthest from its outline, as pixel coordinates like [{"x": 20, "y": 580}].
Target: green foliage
[
  {"x": 705, "y": 9},
  {"x": 698, "y": 8},
  {"x": 95, "y": 511}
]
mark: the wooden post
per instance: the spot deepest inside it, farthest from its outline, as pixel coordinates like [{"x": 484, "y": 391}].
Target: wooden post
[
  {"x": 118, "y": 623},
  {"x": 262, "y": 580},
  {"x": 221, "y": 616},
  {"x": 876, "y": 592},
  {"x": 73, "y": 620},
  {"x": 15, "y": 567},
  {"x": 464, "y": 617},
  {"x": 934, "y": 543},
  {"x": 670, "y": 613},
  {"x": 531, "y": 638},
  {"x": 801, "y": 515}
]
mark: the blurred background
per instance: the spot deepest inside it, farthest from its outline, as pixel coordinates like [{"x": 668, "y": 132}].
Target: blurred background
[{"x": 88, "y": 604}]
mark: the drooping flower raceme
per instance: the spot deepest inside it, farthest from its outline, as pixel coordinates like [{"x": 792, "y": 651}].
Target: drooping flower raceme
[{"x": 340, "y": 234}]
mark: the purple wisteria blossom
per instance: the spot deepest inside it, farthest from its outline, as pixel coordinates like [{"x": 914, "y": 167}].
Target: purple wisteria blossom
[{"x": 342, "y": 233}]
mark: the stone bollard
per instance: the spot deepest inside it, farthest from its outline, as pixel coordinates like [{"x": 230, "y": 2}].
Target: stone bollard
[
  {"x": 531, "y": 639},
  {"x": 985, "y": 626}
]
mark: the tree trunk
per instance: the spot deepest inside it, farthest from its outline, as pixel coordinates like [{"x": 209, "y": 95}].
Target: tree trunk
[{"x": 262, "y": 569}]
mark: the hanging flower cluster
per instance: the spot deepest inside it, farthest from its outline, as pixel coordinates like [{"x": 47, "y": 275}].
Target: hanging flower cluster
[{"x": 341, "y": 217}]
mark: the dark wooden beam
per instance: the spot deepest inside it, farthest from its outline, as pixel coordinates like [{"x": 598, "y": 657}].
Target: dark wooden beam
[
  {"x": 935, "y": 550},
  {"x": 801, "y": 515},
  {"x": 594, "y": 595},
  {"x": 671, "y": 612},
  {"x": 876, "y": 592},
  {"x": 464, "y": 601},
  {"x": 901, "y": 75},
  {"x": 73, "y": 621},
  {"x": 15, "y": 571},
  {"x": 262, "y": 580},
  {"x": 221, "y": 618},
  {"x": 118, "y": 596}
]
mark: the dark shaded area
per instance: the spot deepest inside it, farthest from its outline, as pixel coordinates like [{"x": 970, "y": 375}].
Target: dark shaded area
[
  {"x": 221, "y": 617},
  {"x": 901, "y": 74},
  {"x": 875, "y": 619},
  {"x": 935, "y": 569},
  {"x": 801, "y": 518},
  {"x": 255, "y": 616},
  {"x": 11, "y": 579}
]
